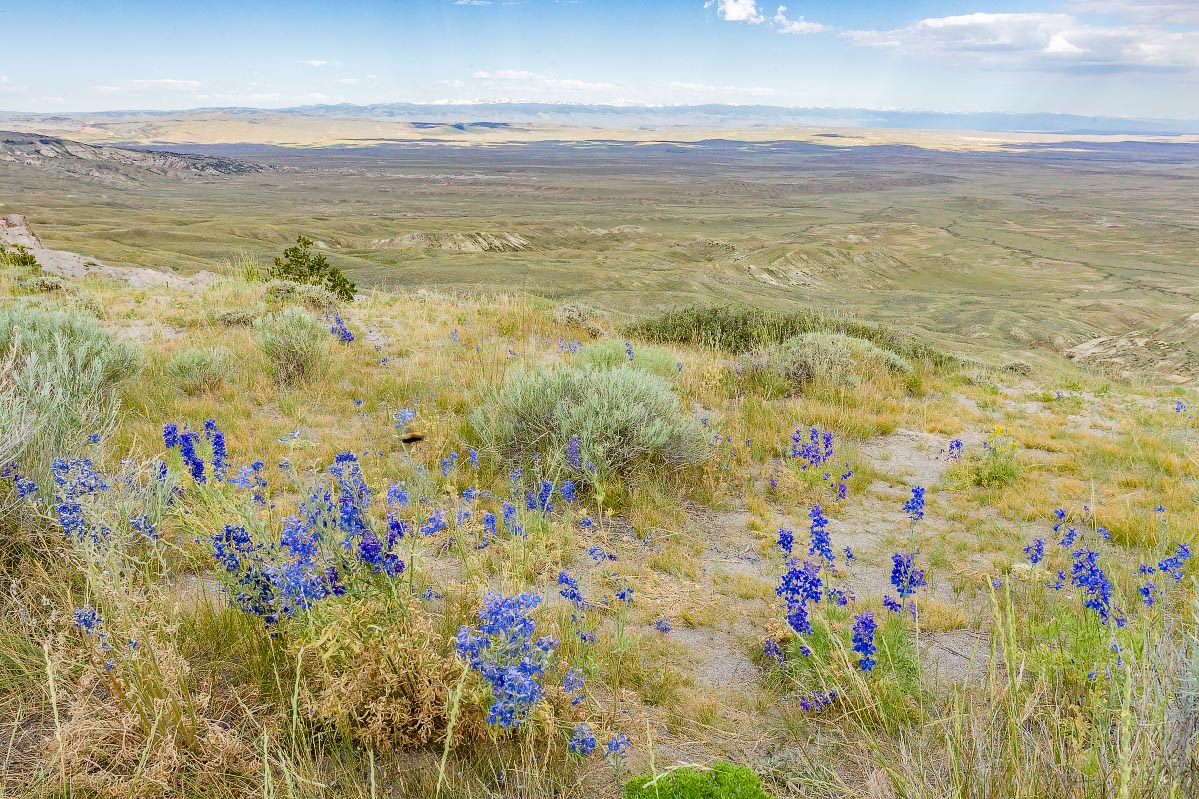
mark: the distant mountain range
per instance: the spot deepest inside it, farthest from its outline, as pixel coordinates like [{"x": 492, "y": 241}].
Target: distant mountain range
[{"x": 634, "y": 116}]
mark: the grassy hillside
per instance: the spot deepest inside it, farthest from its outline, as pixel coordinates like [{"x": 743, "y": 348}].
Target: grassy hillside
[{"x": 477, "y": 545}]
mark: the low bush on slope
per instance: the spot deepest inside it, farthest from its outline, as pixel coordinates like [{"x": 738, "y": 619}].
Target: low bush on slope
[
  {"x": 618, "y": 419},
  {"x": 740, "y": 329},
  {"x": 832, "y": 359}
]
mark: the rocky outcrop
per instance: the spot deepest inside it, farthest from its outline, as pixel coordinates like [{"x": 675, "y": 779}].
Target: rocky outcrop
[
  {"x": 1170, "y": 352},
  {"x": 114, "y": 165}
]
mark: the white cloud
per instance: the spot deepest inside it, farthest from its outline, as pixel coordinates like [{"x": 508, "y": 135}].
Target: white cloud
[
  {"x": 795, "y": 26},
  {"x": 152, "y": 85},
  {"x": 1035, "y": 41},
  {"x": 315, "y": 62},
  {"x": 8, "y": 87},
  {"x": 1170, "y": 12},
  {"x": 348, "y": 81},
  {"x": 472, "y": 2},
  {"x": 737, "y": 10}
]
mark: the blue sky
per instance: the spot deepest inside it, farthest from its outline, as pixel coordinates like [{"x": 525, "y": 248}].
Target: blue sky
[{"x": 1093, "y": 57}]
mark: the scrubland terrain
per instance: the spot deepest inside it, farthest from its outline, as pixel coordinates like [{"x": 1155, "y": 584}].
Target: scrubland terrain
[
  {"x": 1023, "y": 254},
  {"x": 514, "y": 523}
]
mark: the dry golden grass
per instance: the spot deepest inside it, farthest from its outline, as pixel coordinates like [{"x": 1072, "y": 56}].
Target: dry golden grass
[{"x": 225, "y": 708}]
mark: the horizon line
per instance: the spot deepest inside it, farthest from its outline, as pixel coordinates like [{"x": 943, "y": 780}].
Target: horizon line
[{"x": 448, "y": 104}]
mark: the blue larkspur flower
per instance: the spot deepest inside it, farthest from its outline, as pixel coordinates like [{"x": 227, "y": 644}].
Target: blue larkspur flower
[
  {"x": 570, "y": 589},
  {"x": 435, "y": 523},
  {"x": 1086, "y": 574},
  {"x": 817, "y": 702},
  {"x": 599, "y": 555},
  {"x": 1035, "y": 551},
  {"x": 573, "y": 684},
  {"x": 220, "y": 458},
  {"x": 187, "y": 448},
  {"x": 618, "y": 745},
  {"x": 87, "y": 619},
  {"x": 339, "y": 329},
  {"x": 542, "y": 500},
  {"x": 814, "y": 450},
  {"x": 819, "y": 542},
  {"x": 574, "y": 454},
  {"x": 1173, "y": 564},
  {"x": 1149, "y": 593},
  {"x": 22, "y": 484},
  {"x": 863, "y": 639},
  {"x": 800, "y": 585},
  {"x": 905, "y": 576},
  {"x": 914, "y": 507},
  {"x": 501, "y": 649},
  {"x": 786, "y": 540},
  {"x": 582, "y": 741}
]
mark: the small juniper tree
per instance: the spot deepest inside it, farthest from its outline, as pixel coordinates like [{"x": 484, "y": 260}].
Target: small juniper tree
[
  {"x": 300, "y": 265},
  {"x": 19, "y": 257}
]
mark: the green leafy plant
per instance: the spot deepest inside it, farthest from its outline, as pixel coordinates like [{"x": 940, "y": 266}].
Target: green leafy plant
[
  {"x": 300, "y": 264},
  {"x": 718, "y": 781},
  {"x": 998, "y": 465}
]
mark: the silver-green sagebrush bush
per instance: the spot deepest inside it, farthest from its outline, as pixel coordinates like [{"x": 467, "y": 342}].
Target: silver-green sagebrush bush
[
  {"x": 286, "y": 292},
  {"x": 294, "y": 343},
  {"x": 197, "y": 369},
  {"x": 621, "y": 418},
  {"x": 236, "y": 317},
  {"x": 64, "y": 370},
  {"x": 830, "y": 358}
]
